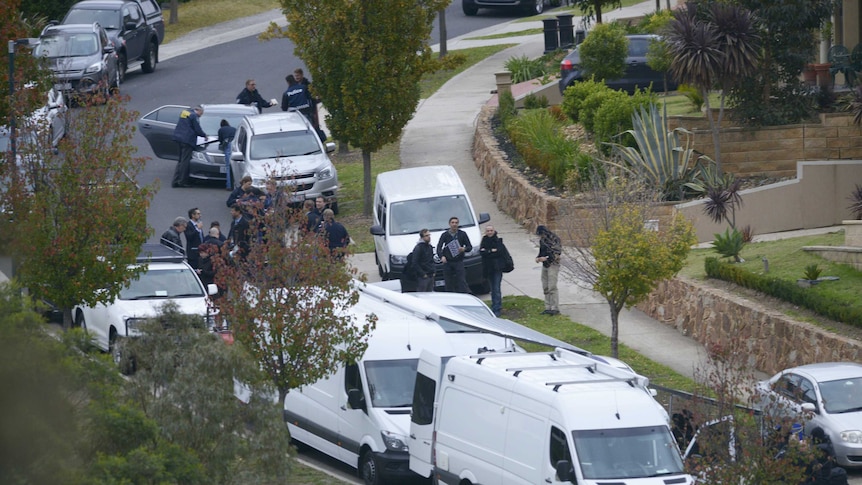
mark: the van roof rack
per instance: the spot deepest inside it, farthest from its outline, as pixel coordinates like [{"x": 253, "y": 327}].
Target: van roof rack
[{"x": 159, "y": 253}]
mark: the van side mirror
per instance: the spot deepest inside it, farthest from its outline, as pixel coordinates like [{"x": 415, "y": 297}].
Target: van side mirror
[
  {"x": 355, "y": 399},
  {"x": 377, "y": 230},
  {"x": 330, "y": 147},
  {"x": 808, "y": 407},
  {"x": 484, "y": 217},
  {"x": 565, "y": 471}
]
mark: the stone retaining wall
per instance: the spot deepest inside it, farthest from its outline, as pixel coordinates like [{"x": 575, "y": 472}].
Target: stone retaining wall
[{"x": 774, "y": 341}]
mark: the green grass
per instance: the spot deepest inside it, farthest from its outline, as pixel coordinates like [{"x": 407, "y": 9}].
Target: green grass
[
  {"x": 196, "y": 14},
  {"x": 577, "y": 11},
  {"x": 508, "y": 34},
  {"x": 431, "y": 82},
  {"x": 679, "y": 105},
  {"x": 304, "y": 475}
]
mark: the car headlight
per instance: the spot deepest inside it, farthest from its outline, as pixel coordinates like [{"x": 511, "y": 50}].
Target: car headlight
[
  {"x": 133, "y": 325},
  {"x": 394, "y": 441},
  {"x": 325, "y": 173},
  {"x": 852, "y": 436},
  {"x": 397, "y": 259},
  {"x": 201, "y": 157},
  {"x": 93, "y": 68}
]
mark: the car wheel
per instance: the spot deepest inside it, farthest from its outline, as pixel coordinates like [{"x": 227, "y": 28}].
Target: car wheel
[
  {"x": 151, "y": 58},
  {"x": 121, "y": 67},
  {"x": 536, "y": 8},
  {"x": 469, "y": 8},
  {"x": 368, "y": 469}
]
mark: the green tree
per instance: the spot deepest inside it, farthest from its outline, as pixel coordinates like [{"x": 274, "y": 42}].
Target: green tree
[
  {"x": 289, "y": 301},
  {"x": 618, "y": 246},
  {"x": 714, "y": 46},
  {"x": 79, "y": 217},
  {"x": 45, "y": 9},
  {"x": 14, "y": 25},
  {"x": 594, "y": 8},
  {"x": 366, "y": 59},
  {"x": 604, "y": 51}
]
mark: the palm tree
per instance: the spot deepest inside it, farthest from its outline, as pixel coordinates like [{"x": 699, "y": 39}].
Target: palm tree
[{"x": 714, "y": 46}]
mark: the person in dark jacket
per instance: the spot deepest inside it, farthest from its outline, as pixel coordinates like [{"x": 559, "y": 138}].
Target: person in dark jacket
[
  {"x": 171, "y": 237},
  {"x": 335, "y": 234},
  {"x": 186, "y": 135},
  {"x": 300, "y": 78},
  {"x": 423, "y": 261},
  {"x": 492, "y": 266},
  {"x": 194, "y": 236},
  {"x": 296, "y": 98},
  {"x": 239, "y": 237},
  {"x": 226, "y": 132},
  {"x": 220, "y": 235},
  {"x": 451, "y": 247},
  {"x": 250, "y": 95},
  {"x": 205, "y": 269},
  {"x": 550, "y": 250}
]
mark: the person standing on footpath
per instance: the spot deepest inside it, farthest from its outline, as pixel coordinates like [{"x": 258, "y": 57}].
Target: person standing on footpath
[
  {"x": 423, "y": 261},
  {"x": 186, "y": 135},
  {"x": 550, "y": 249},
  {"x": 491, "y": 250},
  {"x": 226, "y": 132},
  {"x": 451, "y": 247},
  {"x": 335, "y": 234},
  {"x": 250, "y": 95},
  {"x": 194, "y": 236}
]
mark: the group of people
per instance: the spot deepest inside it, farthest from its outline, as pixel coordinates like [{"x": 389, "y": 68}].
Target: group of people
[
  {"x": 454, "y": 244},
  {"x": 200, "y": 245},
  {"x": 297, "y": 97}
]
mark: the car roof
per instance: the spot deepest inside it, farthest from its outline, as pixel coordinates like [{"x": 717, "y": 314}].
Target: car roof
[
  {"x": 420, "y": 182},
  {"x": 59, "y": 28},
  {"x": 829, "y": 371},
  {"x": 230, "y": 108},
  {"x": 277, "y": 122}
]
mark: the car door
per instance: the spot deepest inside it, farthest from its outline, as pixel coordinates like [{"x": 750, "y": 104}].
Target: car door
[
  {"x": 157, "y": 126},
  {"x": 135, "y": 31},
  {"x": 421, "y": 443},
  {"x": 239, "y": 149}
]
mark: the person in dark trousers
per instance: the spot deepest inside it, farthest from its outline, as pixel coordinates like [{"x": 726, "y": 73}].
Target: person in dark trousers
[
  {"x": 335, "y": 234},
  {"x": 451, "y": 247},
  {"x": 239, "y": 237},
  {"x": 171, "y": 237},
  {"x": 550, "y": 250},
  {"x": 186, "y": 135},
  {"x": 250, "y": 95},
  {"x": 194, "y": 236},
  {"x": 423, "y": 261},
  {"x": 226, "y": 132},
  {"x": 492, "y": 266}
]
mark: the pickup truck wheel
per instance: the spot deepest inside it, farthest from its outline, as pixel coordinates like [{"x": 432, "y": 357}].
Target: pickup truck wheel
[
  {"x": 121, "y": 66},
  {"x": 151, "y": 58},
  {"x": 368, "y": 469},
  {"x": 469, "y": 8}
]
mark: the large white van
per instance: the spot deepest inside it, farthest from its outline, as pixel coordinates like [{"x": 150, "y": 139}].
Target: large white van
[
  {"x": 360, "y": 415},
  {"x": 530, "y": 418},
  {"x": 410, "y": 199}
]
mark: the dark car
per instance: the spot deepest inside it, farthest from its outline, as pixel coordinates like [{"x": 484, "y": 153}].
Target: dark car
[
  {"x": 136, "y": 35},
  {"x": 207, "y": 162},
  {"x": 638, "y": 73},
  {"x": 81, "y": 57},
  {"x": 530, "y": 7}
]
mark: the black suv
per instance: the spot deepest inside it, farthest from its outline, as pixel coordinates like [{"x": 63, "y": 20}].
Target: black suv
[{"x": 135, "y": 27}]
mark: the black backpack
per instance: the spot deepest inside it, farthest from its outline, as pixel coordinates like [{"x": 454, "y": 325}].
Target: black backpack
[
  {"x": 410, "y": 269},
  {"x": 508, "y": 263}
]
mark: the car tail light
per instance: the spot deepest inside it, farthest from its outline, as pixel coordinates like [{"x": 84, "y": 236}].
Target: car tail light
[{"x": 566, "y": 65}]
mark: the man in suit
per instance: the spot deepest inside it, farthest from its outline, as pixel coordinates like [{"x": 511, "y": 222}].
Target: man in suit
[
  {"x": 239, "y": 237},
  {"x": 194, "y": 236}
]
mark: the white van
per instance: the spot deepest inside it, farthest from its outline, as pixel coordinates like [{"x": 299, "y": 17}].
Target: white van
[
  {"x": 530, "y": 418},
  {"x": 360, "y": 415},
  {"x": 410, "y": 199}
]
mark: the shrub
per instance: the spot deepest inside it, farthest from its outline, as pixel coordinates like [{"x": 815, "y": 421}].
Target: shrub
[
  {"x": 591, "y": 105},
  {"x": 506, "y": 108},
  {"x": 612, "y": 119},
  {"x": 538, "y": 137},
  {"x": 603, "y": 52},
  {"x": 855, "y": 199},
  {"x": 574, "y": 96},
  {"x": 694, "y": 96},
  {"x": 531, "y": 101},
  {"x": 729, "y": 244},
  {"x": 586, "y": 174},
  {"x": 523, "y": 68},
  {"x": 812, "y": 272},
  {"x": 558, "y": 114}
]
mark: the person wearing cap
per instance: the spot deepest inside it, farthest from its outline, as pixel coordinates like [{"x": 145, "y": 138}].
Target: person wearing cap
[
  {"x": 186, "y": 135},
  {"x": 550, "y": 250}
]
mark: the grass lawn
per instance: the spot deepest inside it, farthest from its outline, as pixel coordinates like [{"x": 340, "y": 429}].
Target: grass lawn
[{"x": 196, "y": 14}]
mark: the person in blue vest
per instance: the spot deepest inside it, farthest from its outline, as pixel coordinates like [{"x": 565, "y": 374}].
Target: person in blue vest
[{"x": 186, "y": 135}]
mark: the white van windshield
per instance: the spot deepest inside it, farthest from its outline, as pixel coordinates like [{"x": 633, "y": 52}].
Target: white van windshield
[
  {"x": 410, "y": 216},
  {"x": 391, "y": 382},
  {"x": 615, "y": 454}
]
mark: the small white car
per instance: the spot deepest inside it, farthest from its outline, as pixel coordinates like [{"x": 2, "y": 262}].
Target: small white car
[{"x": 168, "y": 278}]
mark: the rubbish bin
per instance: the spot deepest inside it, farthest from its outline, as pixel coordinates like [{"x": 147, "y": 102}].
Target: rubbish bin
[
  {"x": 552, "y": 41},
  {"x": 567, "y": 31},
  {"x": 580, "y": 35}
]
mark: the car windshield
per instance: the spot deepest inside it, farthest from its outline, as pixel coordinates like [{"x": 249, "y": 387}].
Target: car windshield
[
  {"x": 617, "y": 454},
  {"x": 211, "y": 122},
  {"x": 164, "y": 283},
  {"x": 284, "y": 144},
  {"x": 390, "y": 382},
  {"x": 410, "y": 216},
  {"x": 73, "y": 45},
  {"x": 842, "y": 395},
  {"x": 108, "y": 19}
]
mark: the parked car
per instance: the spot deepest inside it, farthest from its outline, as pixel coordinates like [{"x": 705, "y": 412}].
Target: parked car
[
  {"x": 529, "y": 7},
  {"x": 136, "y": 35},
  {"x": 638, "y": 74},
  {"x": 81, "y": 57},
  {"x": 167, "y": 278},
  {"x": 207, "y": 162},
  {"x": 285, "y": 146},
  {"x": 829, "y": 396}
]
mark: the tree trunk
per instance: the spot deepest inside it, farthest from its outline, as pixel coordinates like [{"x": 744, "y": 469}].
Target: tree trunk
[
  {"x": 343, "y": 148},
  {"x": 366, "y": 183},
  {"x": 442, "y": 16},
  {"x": 598, "y": 6},
  {"x": 615, "y": 329},
  {"x": 67, "y": 318},
  {"x": 174, "y": 17}
]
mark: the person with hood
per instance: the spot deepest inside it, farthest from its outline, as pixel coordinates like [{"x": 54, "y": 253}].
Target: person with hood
[{"x": 550, "y": 249}]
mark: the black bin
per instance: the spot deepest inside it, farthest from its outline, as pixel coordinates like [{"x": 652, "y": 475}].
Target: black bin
[
  {"x": 552, "y": 41},
  {"x": 567, "y": 30}
]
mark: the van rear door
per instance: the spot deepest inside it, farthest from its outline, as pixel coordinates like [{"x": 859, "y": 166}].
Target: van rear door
[{"x": 422, "y": 418}]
